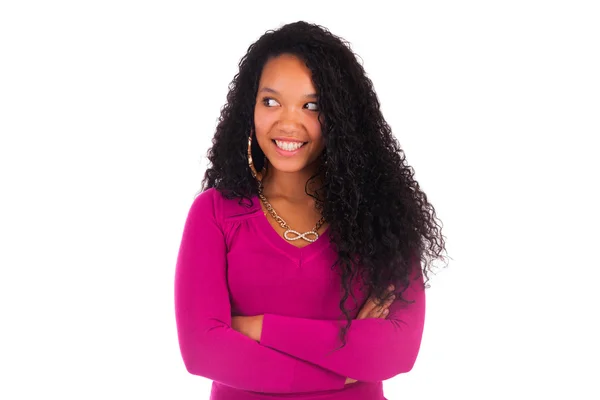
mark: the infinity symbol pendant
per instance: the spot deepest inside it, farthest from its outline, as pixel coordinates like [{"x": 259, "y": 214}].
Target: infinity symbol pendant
[{"x": 306, "y": 235}]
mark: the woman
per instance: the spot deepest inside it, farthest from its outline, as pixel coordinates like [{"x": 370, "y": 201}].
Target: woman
[{"x": 299, "y": 272}]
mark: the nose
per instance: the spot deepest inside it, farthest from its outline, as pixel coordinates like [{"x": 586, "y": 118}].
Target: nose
[{"x": 290, "y": 120}]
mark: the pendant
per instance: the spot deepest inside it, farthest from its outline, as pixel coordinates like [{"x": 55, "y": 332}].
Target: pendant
[{"x": 305, "y": 235}]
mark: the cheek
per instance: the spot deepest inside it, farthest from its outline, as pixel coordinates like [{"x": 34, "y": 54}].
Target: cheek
[
  {"x": 262, "y": 125},
  {"x": 259, "y": 120},
  {"x": 314, "y": 131}
]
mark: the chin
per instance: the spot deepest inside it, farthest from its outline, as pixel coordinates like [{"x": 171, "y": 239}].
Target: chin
[{"x": 288, "y": 166}]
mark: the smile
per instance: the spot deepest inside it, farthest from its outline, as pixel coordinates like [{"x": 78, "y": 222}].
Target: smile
[{"x": 288, "y": 146}]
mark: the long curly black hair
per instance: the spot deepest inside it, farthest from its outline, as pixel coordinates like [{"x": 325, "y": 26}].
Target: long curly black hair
[{"x": 378, "y": 216}]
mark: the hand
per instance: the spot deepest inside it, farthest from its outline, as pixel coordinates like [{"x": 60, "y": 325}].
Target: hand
[
  {"x": 373, "y": 309},
  {"x": 248, "y": 326}
]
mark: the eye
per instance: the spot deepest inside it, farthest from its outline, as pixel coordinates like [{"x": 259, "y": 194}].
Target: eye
[
  {"x": 266, "y": 100},
  {"x": 315, "y": 106}
]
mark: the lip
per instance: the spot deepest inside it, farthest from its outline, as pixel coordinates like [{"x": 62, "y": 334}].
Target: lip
[
  {"x": 286, "y": 153},
  {"x": 284, "y": 139}
]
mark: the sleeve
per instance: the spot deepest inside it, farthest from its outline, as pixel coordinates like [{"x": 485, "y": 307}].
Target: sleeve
[
  {"x": 209, "y": 346},
  {"x": 376, "y": 349}
]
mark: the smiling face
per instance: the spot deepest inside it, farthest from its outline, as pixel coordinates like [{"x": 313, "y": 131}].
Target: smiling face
[{"x": 286, "y": 115}]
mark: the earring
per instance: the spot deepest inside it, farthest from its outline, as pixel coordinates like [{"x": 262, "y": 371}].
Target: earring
[{"x": 256, "y": 175}]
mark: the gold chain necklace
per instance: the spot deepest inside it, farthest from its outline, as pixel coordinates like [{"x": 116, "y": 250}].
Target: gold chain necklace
[{"x": 310, "y": 236}]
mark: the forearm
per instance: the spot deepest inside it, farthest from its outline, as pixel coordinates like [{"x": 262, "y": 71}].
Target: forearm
[
  {"x": 221, "y": 354},
  {"x": 251, "y": 326},
  {"x": 367, "y": 356},
  {"x": 376, "y": 349}
]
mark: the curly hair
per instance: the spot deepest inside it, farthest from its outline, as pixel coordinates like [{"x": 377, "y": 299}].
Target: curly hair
[{"x": 378, "y": 216}]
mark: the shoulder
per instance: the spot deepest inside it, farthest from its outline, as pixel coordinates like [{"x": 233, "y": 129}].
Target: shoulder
[{"x": 214, "y": 202}]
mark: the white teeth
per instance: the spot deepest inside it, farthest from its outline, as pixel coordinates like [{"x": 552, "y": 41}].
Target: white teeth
[{"x": 288, "y": 146}]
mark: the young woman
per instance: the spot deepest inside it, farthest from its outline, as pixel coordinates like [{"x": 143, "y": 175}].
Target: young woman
[{"x": 301, "y": 272}]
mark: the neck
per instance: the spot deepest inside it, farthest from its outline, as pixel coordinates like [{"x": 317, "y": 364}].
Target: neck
[{"x": 290, "y": 185}]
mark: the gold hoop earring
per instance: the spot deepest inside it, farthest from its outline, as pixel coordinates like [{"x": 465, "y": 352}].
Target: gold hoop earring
[{"x": 256, "y": 175}]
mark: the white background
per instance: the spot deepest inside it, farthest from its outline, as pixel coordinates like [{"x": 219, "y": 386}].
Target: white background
[{"x": 107, "y": 110}]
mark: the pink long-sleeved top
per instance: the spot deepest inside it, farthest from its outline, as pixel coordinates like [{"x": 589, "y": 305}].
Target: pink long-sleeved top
[{"x": 232, "y": 262}]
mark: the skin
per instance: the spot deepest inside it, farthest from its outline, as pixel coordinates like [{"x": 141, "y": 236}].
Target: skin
[{"x": 287, "y": 108}]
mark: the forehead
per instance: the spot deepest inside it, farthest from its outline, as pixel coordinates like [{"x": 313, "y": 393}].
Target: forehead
[{"x": 287, "y": 74}]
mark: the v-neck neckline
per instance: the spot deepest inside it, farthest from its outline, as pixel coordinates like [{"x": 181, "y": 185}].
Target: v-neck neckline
[{"x": 281, "y": 243}]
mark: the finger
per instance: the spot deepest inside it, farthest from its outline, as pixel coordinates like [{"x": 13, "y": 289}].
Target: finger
[
  {"x": 379, "y": 305},
  {"x": 383, "y": 310},
  {"x": 374, "y": 313},
  {"x": 386, "y": 311},
  {"x": 390, "y": 301},
  {"x": 380, "y": 312},
  {"x": 369, "y": 307},
  {"x": 380, "y": 309},
  {"x": 365, "y": 310},
  {"x": 373, "y": 308},
  {"x": 383, "y": 313}
]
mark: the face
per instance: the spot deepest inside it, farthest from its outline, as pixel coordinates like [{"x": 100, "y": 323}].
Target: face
[{"x": 286, "y": 115}]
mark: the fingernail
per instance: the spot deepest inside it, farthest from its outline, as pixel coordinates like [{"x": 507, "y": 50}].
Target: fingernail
[{"x": 386, "y": 312}]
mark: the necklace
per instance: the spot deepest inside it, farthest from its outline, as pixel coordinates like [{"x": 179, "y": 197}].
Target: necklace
[{"x": 290, "y": 234}]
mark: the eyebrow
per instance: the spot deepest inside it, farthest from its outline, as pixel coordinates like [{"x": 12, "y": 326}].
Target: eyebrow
[{"x": 269, "y": 90}]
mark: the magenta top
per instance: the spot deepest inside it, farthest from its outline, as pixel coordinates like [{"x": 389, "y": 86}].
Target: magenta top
[{"x": 232, "y": 262}]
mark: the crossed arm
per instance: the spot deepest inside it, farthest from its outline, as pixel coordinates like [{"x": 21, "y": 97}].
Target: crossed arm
[
  {"x": 287, "y": 355},
  {"x": 377, "y": 348}
]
